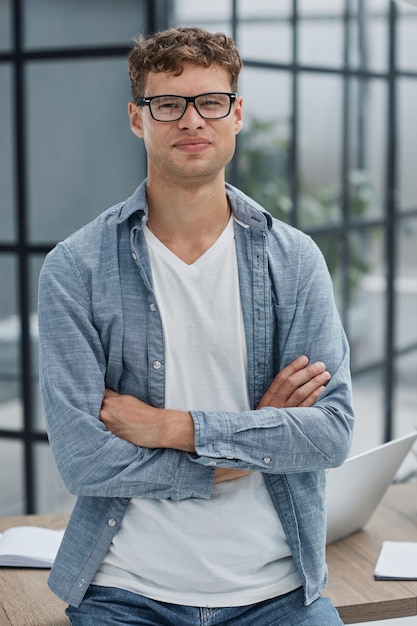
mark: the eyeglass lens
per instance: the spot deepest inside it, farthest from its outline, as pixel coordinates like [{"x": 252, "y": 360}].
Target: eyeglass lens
[{"x": 171, "y": 108}]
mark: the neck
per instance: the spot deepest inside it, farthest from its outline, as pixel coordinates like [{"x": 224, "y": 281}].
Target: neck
[
  {"x": 178, "y": 212},
  {"x": 188, "y": 221}
]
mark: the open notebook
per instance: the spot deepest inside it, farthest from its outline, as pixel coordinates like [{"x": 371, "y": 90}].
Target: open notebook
[
  {"x": 355, "y": 489},
  {"x": 29, "y": 546}
]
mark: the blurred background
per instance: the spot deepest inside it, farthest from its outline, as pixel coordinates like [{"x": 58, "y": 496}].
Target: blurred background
[{"x": 329, "y": 144}]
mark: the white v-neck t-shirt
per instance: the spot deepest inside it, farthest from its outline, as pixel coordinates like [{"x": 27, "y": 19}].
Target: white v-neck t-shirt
[
  {"x": 229, "y": 550},
  {"x": 205, "y": 346}
]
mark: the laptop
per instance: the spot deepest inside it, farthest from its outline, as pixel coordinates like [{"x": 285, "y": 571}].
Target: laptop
[{"x": 355, "y": 489}]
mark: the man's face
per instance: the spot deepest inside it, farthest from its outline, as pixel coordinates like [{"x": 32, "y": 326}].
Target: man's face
[{"x": 191, "y": 149}]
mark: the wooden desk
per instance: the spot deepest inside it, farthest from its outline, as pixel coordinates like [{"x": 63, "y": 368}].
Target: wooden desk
[
  {"x": 351, "y": 562},
  {"x": 25, "y": 599}
]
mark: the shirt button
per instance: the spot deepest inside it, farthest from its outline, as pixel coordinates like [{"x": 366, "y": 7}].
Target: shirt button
[
  {"x": 134, "y": 256},
  {"x": 152, "y": 307},
  {"x": 157, "y": 365},
  {"x": 267, "y": 459},
  {"x": 212, "y": 463},
  {"x": 111, "y": 522}
]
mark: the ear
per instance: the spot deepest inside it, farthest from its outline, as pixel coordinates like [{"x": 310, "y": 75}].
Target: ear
[
  {"x": 238, "y": 114},
  {"x": 135, "y": 116}
]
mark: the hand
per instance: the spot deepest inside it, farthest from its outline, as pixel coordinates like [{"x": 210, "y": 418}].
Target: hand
[
  {"x": 298, "y": 384},
  {"x": 139, "y": 423}
]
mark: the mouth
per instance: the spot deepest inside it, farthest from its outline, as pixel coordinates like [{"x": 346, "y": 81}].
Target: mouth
[{"x": 192, "y": 145}]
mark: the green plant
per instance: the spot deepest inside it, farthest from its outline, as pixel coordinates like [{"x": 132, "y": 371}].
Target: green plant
[{"x": 264, "y": 175}]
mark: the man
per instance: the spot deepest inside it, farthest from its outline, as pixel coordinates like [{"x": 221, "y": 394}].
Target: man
[{"x": 195, "y": 377}]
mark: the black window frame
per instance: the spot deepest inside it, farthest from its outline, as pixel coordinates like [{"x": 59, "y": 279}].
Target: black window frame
[{"x": 159, "y": 15}]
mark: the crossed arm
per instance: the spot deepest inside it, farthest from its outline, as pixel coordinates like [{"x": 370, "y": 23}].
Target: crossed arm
[{"x": 299, "y": 384}]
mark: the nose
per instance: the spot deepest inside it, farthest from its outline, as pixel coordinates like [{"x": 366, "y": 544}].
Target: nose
[{"x": 191, "y": 118}]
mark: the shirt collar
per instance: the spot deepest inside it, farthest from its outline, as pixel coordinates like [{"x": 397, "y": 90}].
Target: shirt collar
[
  {"x": 244, "y": 209},
  {"x": 136, "y": 203}
]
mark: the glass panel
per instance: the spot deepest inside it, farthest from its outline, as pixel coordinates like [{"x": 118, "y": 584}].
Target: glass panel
[
  {"x": 407, "y": 45},
  {"x": 364, "y": 319},
  {"x": 331, "y": 246},
  {"x": 82, "y": 155},
  {"x": 265, "y": 41},
  {"x": 6, "y": 156},
  {"x": 369, "y": 36},
  {"x": 407, "y": 132},
  {"x": 263, "y": 144},
  {"x": 264, "y": 9},
  {"x": 5, "y": 25},
  {"x": 366, "y": 316},
  {"x": 368, "y": 401},
  {"x": 11, "y": 417},
  {"x": 11, "y": 478},
  {"x": 406, "y": 285},
  {"x": 52, "y": 495},
  {"x": 321, "y": 40},
  {"x": 10, "y": 408},
  {"x": 211, "y": 15},
  {"x": 405, "y": 399},
  {"x": 264, "y": 31},
  {"x": 34, "y": 269},
  {"x": 320, "y": 160},
  {"x": 315, "y": 8},
  {"x": 66, "y": 23},
  {"x": 367, "y": 137},
  {"x": 266, "y": 97}
]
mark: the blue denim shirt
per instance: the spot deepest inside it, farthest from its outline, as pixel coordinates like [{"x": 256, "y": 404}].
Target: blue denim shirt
[{"x": 100, "y": 327}]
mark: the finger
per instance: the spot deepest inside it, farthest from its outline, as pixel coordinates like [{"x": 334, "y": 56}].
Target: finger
[
  {"x": 295, "y": 366},
  {"x": 317, "y": 392},
  {"x": 308, "y": 373},
  {"x": 307, "y": 394},
  {"x": 313, "y": 397},
  {"x": 294, "y": 376},
  {"x": 282, "y": 381},
  {"x": 293, "y": 393}
]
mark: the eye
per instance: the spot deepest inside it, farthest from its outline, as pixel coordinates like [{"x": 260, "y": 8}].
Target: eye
[
  {"x": 167, "y": 106},
  {"x": 211, "y": 101},
  {"x": 166, "y": 103},
  {"x": 213, "y": 105}
]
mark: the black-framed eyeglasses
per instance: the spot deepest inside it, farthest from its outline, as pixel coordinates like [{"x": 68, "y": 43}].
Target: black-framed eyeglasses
[{"x": 169, "y": 108}]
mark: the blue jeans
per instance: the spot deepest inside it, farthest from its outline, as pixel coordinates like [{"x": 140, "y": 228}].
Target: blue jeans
[{"x": 108, "y": 606}]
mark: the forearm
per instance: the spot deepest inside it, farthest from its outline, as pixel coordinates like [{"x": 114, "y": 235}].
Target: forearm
[
  {"x": 93, "y": 462},
  {"x": 143, "y": 425},
  {"x": 277, "y": 440},
  {"x": 125, "y": 417},
  {"x": 286, "y": 437}
]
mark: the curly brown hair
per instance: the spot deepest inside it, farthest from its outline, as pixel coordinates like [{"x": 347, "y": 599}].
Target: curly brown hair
[{"x": 168, "y": 50}]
